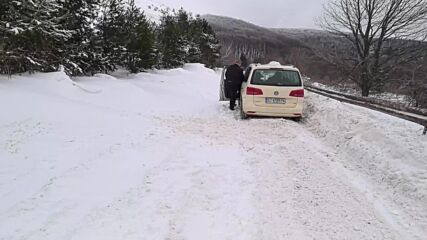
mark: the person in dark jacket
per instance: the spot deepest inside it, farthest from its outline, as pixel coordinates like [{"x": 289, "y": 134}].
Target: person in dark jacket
[{"x": 234, "y": 79}]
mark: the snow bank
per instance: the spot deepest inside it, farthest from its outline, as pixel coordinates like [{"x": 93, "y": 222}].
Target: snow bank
[
  {"x": 386, "y": 155},
  {"x": 155, "y": 156},
  {"x": 197, "y": 67},
  {"x": 71, "y": 149}
]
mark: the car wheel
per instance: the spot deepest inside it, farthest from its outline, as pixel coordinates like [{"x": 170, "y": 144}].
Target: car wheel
[
  {"x": 297, "y": 119},
  {"x": 243, "y": 115}
]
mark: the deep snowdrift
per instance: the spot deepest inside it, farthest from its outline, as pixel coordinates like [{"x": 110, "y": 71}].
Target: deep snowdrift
[
  {"x": 156, "y": 156},
  {"x": 387, "y": 156}
]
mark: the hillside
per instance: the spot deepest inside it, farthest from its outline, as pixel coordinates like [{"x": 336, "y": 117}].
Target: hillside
[
  {"x": 259, "y": 44},
  {"x": 314, "y": 53}
]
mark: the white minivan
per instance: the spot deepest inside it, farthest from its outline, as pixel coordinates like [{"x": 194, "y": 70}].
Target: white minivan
[{"x": 271, "y": 90}]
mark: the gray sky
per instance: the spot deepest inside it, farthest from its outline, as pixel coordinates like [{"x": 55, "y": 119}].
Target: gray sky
[{"x": 267, "y": 13}]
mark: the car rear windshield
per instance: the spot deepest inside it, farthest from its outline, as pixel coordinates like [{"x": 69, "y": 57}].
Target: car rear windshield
[{"x": 276, "y": 77}]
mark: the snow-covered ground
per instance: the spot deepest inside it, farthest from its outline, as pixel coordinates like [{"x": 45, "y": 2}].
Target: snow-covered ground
[
  {"x": 388, "y": 97},
  {"x": 156, "y": 156}
]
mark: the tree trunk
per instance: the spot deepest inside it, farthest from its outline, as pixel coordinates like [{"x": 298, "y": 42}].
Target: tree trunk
[
  {"x": 365, "y": 89},
  {"x": 366, "y": 81},
  {"x": 365, "y": 85}
]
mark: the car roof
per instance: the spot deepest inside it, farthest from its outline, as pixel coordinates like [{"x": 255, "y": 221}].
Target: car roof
[{"x": 274, "y": 65}]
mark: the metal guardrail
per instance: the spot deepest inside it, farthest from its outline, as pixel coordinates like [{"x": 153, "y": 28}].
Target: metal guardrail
[
  {"x": 373, "y": 101},
  {"x": 410, "y": 116}
]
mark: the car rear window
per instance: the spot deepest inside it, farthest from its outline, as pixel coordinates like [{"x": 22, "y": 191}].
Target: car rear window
[{"x": 276, "y": 77}]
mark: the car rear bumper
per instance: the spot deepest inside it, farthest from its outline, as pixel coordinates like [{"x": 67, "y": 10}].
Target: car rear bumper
[{"x": 253, "y": 110}]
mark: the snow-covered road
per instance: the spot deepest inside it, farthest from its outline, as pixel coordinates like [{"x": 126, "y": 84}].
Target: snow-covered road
[{"x": 156, "y": 156}]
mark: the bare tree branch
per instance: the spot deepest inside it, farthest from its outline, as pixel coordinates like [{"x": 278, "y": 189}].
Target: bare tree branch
[{"x": 374, "y": 28}]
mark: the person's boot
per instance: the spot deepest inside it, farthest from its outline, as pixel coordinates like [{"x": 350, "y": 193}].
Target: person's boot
[{"x": 232, "y": 106}]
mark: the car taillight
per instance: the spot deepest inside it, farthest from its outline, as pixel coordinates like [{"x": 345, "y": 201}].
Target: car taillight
[
  {"x": 253, "y": 91},
  {"x": 297, "y": 93}
]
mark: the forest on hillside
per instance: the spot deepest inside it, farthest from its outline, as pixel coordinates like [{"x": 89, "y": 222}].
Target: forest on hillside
[
  {"x": 315, "y": 53},
  {"x": 85, "y": 37}
]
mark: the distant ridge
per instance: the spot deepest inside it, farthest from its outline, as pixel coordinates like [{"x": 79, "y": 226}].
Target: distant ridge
[{"x": 260, "y": 44}]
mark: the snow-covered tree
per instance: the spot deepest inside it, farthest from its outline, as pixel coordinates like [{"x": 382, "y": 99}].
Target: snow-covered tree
[
  {"x": 172, "y": 40},
  {"x": 32, "y": 36},
  {"x": 204, "y": 38},
  {"x": 112, "y": 32},
  {"x": 184, "y": 38},
  {"x": 83, "y": 51},
  {"x": 91, "y": 36},
  {"x": 140, "y": 40}
]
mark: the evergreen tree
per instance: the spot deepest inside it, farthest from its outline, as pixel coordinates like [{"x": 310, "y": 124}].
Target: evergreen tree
[
  {"x": 5, "y": 20},
  {"x": 83, "y": 53},
  {"x": 88, "y": 37},
  {"x": 32, "y": 36},
  {"x": 4, "y": 9},
  {"x": 112, "y": 32},
  {"x": 184, "y": 38},
  {"x": 141, "y": 40},
  {"x": 172, "y": 39},
  {"x": 204, "y": 38}
]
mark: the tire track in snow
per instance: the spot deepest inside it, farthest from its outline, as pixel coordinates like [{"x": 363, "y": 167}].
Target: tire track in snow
[{"x": 295, "y": 192}]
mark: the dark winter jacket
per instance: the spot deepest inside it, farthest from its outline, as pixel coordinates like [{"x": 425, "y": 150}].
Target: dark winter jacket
[{"x": 234, "y": 76}]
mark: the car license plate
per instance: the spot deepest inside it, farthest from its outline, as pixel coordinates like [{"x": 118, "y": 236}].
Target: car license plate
[{"x": 275, "y": 100}]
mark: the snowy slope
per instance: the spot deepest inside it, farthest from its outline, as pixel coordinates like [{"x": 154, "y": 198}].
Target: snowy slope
[{"x": 156, "y": 156}]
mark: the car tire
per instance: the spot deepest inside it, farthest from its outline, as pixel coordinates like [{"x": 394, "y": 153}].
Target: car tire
[
  {"x": 243, "y": 115},
  {"x": 297, "y": 119}
]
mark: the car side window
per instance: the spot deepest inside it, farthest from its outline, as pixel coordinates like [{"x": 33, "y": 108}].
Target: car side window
[{"x": 247, "y": 73}]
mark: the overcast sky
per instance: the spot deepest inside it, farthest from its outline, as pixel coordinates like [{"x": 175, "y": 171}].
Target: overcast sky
[{"x": 267, "y": 13}]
